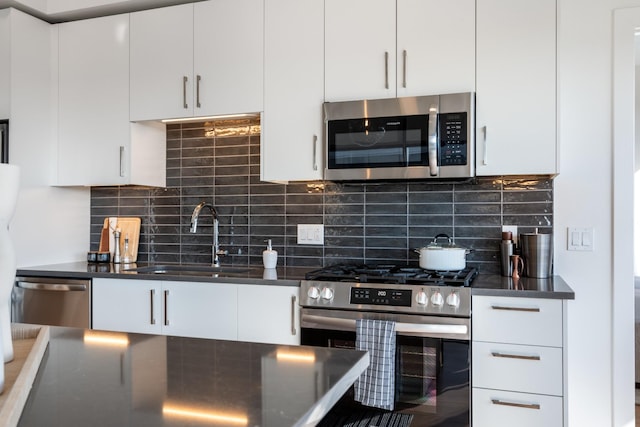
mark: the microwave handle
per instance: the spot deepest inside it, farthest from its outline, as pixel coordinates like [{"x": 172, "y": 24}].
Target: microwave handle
[{"x": 432, "y": 147}]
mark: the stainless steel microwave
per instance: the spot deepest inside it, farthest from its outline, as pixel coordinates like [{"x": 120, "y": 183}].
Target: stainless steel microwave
[{"x": 400, "y": 138}]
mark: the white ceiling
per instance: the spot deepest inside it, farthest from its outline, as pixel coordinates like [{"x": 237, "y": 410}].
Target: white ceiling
[{"x": 55, "y": 11}]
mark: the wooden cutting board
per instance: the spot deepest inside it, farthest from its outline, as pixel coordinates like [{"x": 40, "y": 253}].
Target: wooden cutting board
[{"x": 128, "y": 227}]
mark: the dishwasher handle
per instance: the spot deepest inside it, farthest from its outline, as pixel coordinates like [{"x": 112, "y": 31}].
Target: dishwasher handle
[{"x": 58, "y": 287}]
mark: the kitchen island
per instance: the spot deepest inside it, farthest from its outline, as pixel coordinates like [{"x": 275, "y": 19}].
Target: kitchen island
[{"x": 95, "y": 378}]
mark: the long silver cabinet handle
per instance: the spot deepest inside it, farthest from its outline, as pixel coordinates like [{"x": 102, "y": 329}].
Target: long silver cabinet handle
[
  {"x": 166, "y": 309},
  {"x": 514, "y": 356},
  {"x": 401, "y": 328},
  {"x": 485, "y": 154},
  {"x": 152, "y": 295},
  {"x": 315, "y": 152},
  {"x": 58, "y": 287},
  {"x": 517, "y": 405},
  {"x": 122, "y": 161},
  {"x": 386, "y": 70},
  {"x": 432, "y": 142},
  {"x": 198, "y": 78},
  {"x": 184, "y": 92},
  {"x": 506, "y": 308},
  {"x": 293, "y": 315},
  {"x": 404, "y": 68}
]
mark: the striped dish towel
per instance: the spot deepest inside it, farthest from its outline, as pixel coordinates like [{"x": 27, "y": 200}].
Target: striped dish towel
[{"x": 376, "y": 385}]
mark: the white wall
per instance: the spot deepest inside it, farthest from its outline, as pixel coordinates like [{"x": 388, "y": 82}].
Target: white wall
[
  {"x": 50, "y": 224},
  {"x": 599, "y": 395}
]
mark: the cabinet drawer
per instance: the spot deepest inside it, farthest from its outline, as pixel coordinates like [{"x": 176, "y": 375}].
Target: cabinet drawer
[
  {"x": 497, "y": 408},
  {"x": 517, "y": 320},
  {"x": 520, "y": 368}
]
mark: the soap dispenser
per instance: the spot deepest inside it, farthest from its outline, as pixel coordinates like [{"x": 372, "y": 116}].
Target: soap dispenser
[{"x": 269, "y": 256}]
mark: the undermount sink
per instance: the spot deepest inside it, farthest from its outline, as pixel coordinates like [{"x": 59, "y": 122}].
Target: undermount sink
[{"x": 189, "y": 270}]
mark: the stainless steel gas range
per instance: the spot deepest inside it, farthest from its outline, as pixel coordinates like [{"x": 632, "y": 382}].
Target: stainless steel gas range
[{"x": 432, "y": 315}]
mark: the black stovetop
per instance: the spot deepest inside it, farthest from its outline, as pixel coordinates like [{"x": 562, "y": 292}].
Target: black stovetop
[{"x": 389, "y": 273}]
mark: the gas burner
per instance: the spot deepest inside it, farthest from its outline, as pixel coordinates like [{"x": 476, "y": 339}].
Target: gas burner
[{"x": 383, "y": 273}]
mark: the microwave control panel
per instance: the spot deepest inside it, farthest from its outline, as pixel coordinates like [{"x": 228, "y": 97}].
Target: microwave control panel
[{"x": 452, "y": 129}]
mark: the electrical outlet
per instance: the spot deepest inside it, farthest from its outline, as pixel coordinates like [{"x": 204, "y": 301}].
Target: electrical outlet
[{"x": 310, "y": 234}]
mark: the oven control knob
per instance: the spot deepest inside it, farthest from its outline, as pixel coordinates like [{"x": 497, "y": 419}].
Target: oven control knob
[
  {"x": 327, "y": 293},
  {"x": 437, "y": 299},
  {"x": 453, "y": 299},
  {"x": 313, "y": 293},
  {"x": 421, "y": 298}
]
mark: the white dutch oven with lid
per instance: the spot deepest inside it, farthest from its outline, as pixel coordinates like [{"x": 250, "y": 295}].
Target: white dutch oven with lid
[{"x": 442, "y": 256}]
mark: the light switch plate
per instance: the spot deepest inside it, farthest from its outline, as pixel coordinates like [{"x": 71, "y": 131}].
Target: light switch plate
[
  {"x": 311, "y": 234},
  {"x": 580, "y": 239}
]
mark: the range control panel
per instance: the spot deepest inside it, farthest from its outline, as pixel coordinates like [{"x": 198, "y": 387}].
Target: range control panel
[
  {"x": 452, "y": 128},
  {"x": 395, "y": 297}
]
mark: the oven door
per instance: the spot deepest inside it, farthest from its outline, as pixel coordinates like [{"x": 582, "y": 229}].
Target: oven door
[{"x": 432, "y": 361}]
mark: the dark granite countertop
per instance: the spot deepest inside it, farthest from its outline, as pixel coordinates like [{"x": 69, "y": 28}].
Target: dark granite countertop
[
  {"x": 94, "y": 378},
  {"x": 525, "y": 287},
  {"x": 485, "y": 284},
  {"x": 283, "y": 276}
]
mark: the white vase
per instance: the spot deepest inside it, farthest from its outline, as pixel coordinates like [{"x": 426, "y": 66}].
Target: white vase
[{"x": 9, "y": 185}]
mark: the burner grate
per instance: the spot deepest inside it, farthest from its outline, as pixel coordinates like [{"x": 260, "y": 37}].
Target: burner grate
[{"x": 383, "y": 273}]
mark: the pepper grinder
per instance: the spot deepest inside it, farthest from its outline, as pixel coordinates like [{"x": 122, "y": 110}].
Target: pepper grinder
[
  {"x": 127, "y": 258},
  {"x": 116, "y": 254}
]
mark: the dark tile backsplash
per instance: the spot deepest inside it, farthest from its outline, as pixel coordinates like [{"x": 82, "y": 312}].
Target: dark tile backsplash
[{"x": 219, "y": 162}]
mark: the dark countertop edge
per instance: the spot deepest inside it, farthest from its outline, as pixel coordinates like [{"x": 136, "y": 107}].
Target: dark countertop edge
[
  {"x": 485, "y": 284},
  {"x": 526, "y": 287},
  {"x": 286, "y": 276},
  {"x": 326, "y": 402}
]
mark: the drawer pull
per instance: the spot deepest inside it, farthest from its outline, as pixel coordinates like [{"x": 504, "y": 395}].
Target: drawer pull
[
  {"x": 517, "y": 405},
  {"x": 514, "y": 356},
  {"x": 500, "y": 307}
]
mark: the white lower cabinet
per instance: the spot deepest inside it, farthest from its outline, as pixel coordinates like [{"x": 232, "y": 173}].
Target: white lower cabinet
[
  {"x": 268, "y": 314},
  {"x": 194, "y": 309},
  {"x": 518, "y": 361},
  {"x": 226, "y": 311}
]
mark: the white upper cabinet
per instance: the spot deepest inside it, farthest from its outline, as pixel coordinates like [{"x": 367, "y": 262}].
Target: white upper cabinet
[
  {"x": 198, "y": 59},
  {"x": 97, "y": 145},
  {"x": 360, "y": 49},
  {"x": 228, "y": 56},
  {"x": 162, "y": 63},
  {"x": 291, "y": 139},
  {"x": 436, "y": 47},
  {"x": 389, "y": 48},
  {"x": 516, "y": 87}
]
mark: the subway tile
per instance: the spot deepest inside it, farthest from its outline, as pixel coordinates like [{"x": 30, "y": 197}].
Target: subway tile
[{"x": 219, "y": 162}]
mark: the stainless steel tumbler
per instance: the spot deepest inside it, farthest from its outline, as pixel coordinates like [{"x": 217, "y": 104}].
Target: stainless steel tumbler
[{"x": 537, "y": 251}]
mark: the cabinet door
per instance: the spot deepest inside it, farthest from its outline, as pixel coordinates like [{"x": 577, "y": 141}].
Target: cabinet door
[
  {"x": 228, "y": 57},
  {"x": 360, "y": 49},
  {"x": 93, "y": 118},
  {"x": 126, "y": 305},
  {"x": 293, "y": 91},
  {"x": 268, "y": 314},
  {"x": 200, "y": 310},
  {"x": 436, "y": 47},
  {"x": 162, "y": 63},
  {"x": 516, "y": 87}
]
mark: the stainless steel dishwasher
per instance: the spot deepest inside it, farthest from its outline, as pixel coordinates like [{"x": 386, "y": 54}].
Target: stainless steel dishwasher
[{"x": 52, "y": 301}]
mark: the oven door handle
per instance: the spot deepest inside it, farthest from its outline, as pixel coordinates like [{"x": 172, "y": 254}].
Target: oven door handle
[{"x": 431, "y": 329}]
